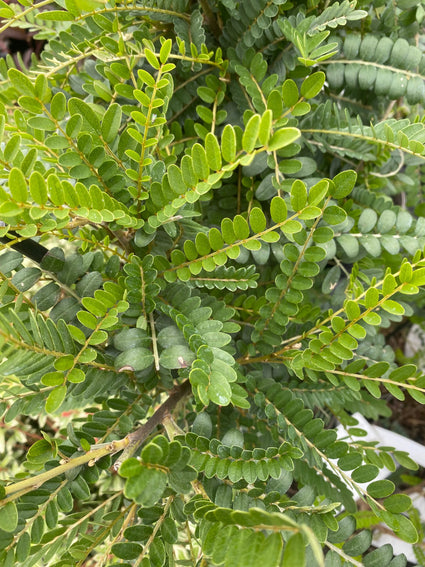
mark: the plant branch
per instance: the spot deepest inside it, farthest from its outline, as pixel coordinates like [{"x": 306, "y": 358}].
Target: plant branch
[
  {"x": 91, "y": 456},
  {"x": 137, "y": 437},
  {"x": 130, "y": 444}
]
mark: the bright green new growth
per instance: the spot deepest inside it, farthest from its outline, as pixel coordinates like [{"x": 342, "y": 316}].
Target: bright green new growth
[{"x": 217, "y": 185}]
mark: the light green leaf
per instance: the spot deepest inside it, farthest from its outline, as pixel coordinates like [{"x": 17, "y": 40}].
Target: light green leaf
[
  {"x": 290, "y": 93},
  {"x": 278, "y": 210},
  {"x": 213, "y": 153},
  {"x": 343, "y": 184},
  {"x": 334, "y": 215},
  {"x": 87, "y": 319},
  {"x": 294, "y": 551},
  {"x": 30, "y": 104},
  {"x": 199, "y": 162},
  {"x": 219, "y": 390},
  {"x": 392, "y": 307},
  {"x": 130, "y": 467},
  {"x": 111, "y": 123},
  {"x": 228, "y": 143},
  {"x": 165, "y": 50},
  {"x": 313, "y": 84},
  {"x": 42, "y": 123},
  {"x": 20, "y": 81},
  {"x": 298, "y": 195},
  {"x": 371, "y": 244},
  {"x": 78, "y": 107},
  {"x": 282, "y": 138},
  {"x": 55, "y": 398},
  {"x": 257, "y": 220},
  {"x": 151, "y": 58},
  {"x": 404, "y": 221},
  {"x": 386, "y": 221},
  {"x": 310, "y": 213},
  {"x": 58, "y": 106},
  {"x": 418, "y": 277},
  {"x": 146, "y": 487},
  {"x": 318, "y": 192},
  {"x": 18, "y": 185},
  {"x": 250, "y": 135},
  {"x": 265, "y": 127},
  {"x": 38, "y": 188},
  {"x": 406, "y": 530},
  {"x": 8, "y": 517},
  {"x": 389, "y": 284},
  {"x": 240, "y": 227}
]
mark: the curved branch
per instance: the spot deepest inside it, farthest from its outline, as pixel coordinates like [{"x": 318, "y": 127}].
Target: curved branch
[{"x": 130, "y": 443}]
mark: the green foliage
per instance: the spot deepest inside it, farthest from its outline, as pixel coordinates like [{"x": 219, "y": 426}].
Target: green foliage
[
  {"x": 208, "y": 214},
  {"x": 389, "y": 68}
]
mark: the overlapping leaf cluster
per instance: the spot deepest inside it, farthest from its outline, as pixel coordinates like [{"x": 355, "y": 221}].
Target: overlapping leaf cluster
[{"x": 204, "y": 228}]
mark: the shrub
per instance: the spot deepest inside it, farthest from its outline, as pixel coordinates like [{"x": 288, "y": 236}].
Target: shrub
[{"x": 201, "y": 246}]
